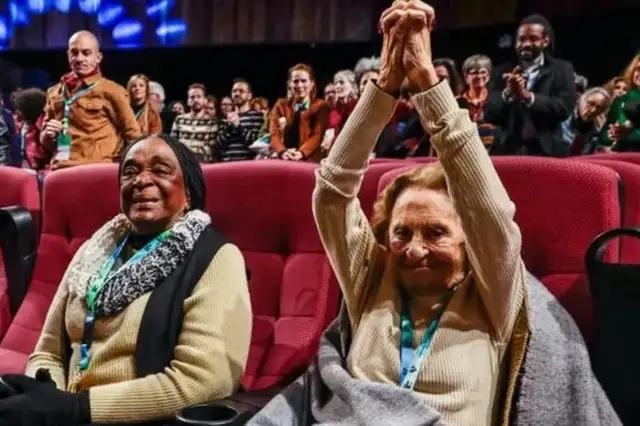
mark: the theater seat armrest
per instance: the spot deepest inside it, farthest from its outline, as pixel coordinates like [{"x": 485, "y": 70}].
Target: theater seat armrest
[
  {"x": 255, "y": 399},
  {"x": 239, "y": 408},
  {"x": 17, "y": 239}
]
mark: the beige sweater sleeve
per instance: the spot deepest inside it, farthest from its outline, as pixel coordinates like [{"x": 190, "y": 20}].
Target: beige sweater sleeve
[
  {"x": 492, "y": 236},
  {"x": 210, "y": 356},
  {"x": 344, "y": 229}
]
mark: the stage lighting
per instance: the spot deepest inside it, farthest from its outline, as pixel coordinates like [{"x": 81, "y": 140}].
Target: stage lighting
[
  {"x": 38, "y": 6},
  {"x": 160, "y": 7},
  {"x": 5, "y": 31},
  {"x": 172, "y": 31},
  {"x": 18, "y": 14},
  {"x": 128, "y": 46},
  {"x": 63, "y": 6},
  {"x": 109, "y": 14},
  {"x": 127, "y": 31},
  {"x": 89, "y": 6}
]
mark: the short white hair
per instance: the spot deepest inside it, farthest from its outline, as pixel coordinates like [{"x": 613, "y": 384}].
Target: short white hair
[
  {"x": 366, "y": 65},
  {"x": 156, "y": 88}
]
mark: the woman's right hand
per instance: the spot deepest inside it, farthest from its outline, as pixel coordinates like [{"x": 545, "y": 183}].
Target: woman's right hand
[{"x": 417, "y": 57}]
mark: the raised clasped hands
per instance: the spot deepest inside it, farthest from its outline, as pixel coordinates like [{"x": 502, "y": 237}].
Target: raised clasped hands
[{"x": 406, "y": 47}]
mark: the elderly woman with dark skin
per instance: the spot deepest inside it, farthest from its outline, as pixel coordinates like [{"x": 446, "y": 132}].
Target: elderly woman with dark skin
[{"x": 153, "y": 313}]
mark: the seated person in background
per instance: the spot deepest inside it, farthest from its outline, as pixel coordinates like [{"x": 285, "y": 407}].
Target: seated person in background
[
  {"x": 618, "y": 134},
  {"x": 29, "y": 105},
  {"x": 297, "y": 124},
  {"x": 435, "y": 289},
  {"x": 153, "y": 314},
  {"x": 580, "y": 131}
]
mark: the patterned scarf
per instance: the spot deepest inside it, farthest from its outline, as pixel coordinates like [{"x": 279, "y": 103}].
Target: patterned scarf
[{"x": 131, "y": 281}]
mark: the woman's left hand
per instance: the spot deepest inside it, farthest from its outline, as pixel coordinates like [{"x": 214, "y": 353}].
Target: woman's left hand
[{"x": 41, "y": 403}]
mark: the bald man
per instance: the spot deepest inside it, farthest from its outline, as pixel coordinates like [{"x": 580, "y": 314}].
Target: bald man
[{"x": 88, "y": 117}]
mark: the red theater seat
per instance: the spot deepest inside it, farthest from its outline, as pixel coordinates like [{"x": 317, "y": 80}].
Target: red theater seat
[
  {"x": 628, "y": 157},
  {"x": 77, "y": 202},
  {"x": 629, "y": 173},
  {"x": 561, "y": 206},
  {"x": 18, "y": 196},
  {"x": 264, "y": 207}
]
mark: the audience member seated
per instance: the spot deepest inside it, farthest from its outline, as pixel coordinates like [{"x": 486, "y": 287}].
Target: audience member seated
[
  {"x": 29, "y": 106},
  {"x": 153, "y": 313},
  {"x": 618, "y": 134},
  {"x": 139, "y": 94},
  {"x": 438, "y": 270},
  {"x": 580, "y": 131},
  {"x": 305, "y": 118}
]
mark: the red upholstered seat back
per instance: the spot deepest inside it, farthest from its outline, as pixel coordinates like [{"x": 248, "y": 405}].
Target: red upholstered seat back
[
  {"x": 629, "y": 174},
  {"x": 628, "y": 157},
  {"x": 264, "y": 207},
  {"x": 560, "y": 207},
  {"x": 18, "y": 187},
  {"x": 77, "y": 202}
]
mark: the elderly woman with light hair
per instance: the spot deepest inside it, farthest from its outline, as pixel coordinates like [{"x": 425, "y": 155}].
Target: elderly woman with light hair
[
  {"x": 442, "y": 324},
  {"x": 476, "y": 97},
  {"x": 366, "y": 70},
  {"x": 580, "y": 131}
]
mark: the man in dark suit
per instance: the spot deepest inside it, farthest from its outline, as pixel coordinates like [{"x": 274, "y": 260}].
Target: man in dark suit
[{"x": 535, "y": 96}]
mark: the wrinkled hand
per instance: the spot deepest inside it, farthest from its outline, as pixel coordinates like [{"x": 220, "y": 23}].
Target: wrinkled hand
[
  {"x": 393, "y": 24},
  {"x": 417, "y": 58}
]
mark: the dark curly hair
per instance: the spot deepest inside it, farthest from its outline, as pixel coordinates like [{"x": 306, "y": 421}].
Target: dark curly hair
[{"x": 30, "y": 103}]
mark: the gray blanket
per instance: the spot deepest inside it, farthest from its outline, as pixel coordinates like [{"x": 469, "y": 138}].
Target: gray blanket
[{"x": 557, "y": 386}]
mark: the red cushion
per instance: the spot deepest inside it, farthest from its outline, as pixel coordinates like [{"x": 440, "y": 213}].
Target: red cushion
[
  {"x": 629, "y": 174},
  {"x": 77, "y": 202},
  {"x": 627, "y": 157},
  {"x": 264, "y": 207},
  {"x": 19, "y": 188},
  {"x": 561, "y": 206}
]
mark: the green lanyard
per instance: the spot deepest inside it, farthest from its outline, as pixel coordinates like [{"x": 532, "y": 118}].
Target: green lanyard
[
  {"x": 63, "y": 141},
  {"x": 411, "y": 360},
  {"x": 98, "y": 284}
]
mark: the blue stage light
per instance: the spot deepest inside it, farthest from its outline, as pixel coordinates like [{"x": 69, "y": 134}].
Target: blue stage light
[
  {"x": 109, "y": 14},
  {"x": 171, "y": 31},
  {"x": 160, "y": 7},
  {"x": 63, "y": 6},
  {"x": 89, "y": 6},
  {"x": 127, "y": 31},
  {"x": 38, "y": 6},
  {"x": 128, "y": 46},
  {"x": 18, "y": 14},
  {"x": 5, "y": 31}
]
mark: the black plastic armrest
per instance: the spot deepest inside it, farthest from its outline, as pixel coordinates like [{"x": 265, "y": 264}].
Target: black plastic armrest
[
  {"x": 238, "y": 408},
  {"x": 17, "y": 239}
]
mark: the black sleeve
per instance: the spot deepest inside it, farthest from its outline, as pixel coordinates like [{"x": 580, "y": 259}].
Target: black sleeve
[
  {"x": 558, "y": 105},
  {"x": 5, "y": 143}
]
